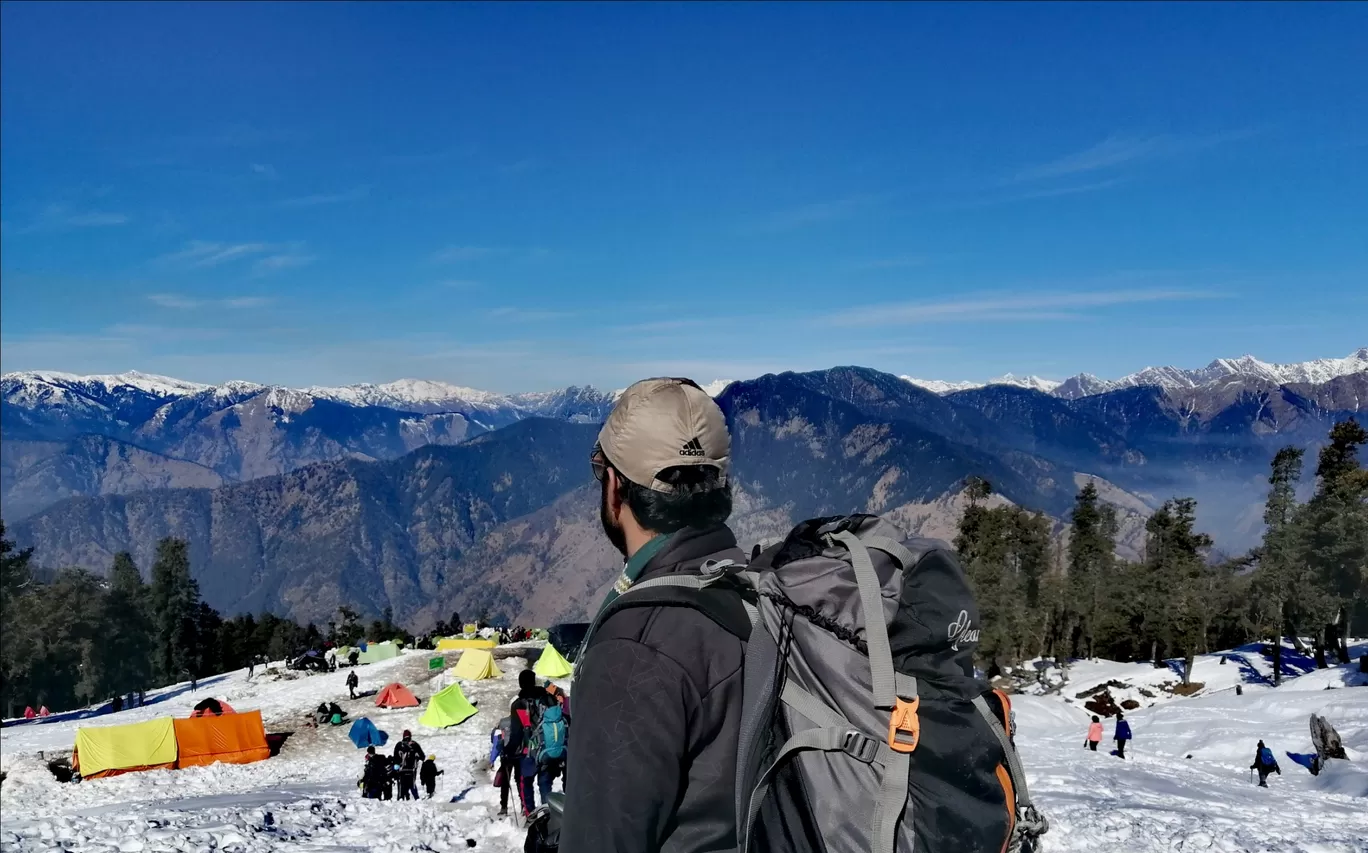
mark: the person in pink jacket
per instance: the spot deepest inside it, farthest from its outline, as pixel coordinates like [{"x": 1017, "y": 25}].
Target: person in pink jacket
[{"x": 1094, "y": 733}]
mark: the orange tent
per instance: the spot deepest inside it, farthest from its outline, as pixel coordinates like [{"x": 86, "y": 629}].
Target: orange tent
[
  {"x": 396, "y": 695},
  {"x": 231, "y": 739}
]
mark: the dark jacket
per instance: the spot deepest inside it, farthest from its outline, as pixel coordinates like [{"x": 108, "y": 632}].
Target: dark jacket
[
  {"x": 1123, "y": 731},
  {"x": 657, "y": 718},
  {"x": 408, "y": 756},
  {"x": 428, "y": 774},
  {"x": 517, "y": 733}
]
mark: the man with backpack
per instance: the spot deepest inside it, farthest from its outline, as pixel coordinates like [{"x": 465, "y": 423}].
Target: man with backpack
[
  {"x": 408, "y": 755},
  {"x": 667, "y": 677},
  {"x": 1265, "y": 763},
  {"x": 352, "y": 683},
  {"x": 526, "y": 739}
]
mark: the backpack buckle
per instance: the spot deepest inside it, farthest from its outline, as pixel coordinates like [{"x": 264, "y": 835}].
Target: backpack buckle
[
  {"x": 860, "y": 746},
  {"x": 904, "y": 727}
]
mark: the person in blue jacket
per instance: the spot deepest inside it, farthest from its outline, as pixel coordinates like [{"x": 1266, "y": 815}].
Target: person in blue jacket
[
  {"x": 1265, "y": 763},
  {"x": 1123, "y": 734}
]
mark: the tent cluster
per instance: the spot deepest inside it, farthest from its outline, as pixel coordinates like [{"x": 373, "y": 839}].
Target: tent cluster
[{"x": 206, "y": 737}]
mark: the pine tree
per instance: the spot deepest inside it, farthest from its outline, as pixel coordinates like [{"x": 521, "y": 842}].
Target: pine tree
[
  {"x": 1092, "y": 549},
  {"x": 1334, "y": 533},
  {"x": 16, "y": 654},
  {"x": 1273, "y": 587},
  {"x": 126, "y": 652},
  {"x": 175, "y": 607},
  {"x": 1177, "y": 570}
]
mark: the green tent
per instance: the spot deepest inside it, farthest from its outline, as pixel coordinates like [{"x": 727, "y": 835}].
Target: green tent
[
  {"x": 376, "y": 652},
  {"x": 447, "y": 707},
  {"x": 551, "y": 664}
]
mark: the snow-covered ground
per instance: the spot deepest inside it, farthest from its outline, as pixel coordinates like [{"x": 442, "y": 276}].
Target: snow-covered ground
[{"x": 1184, "y": 785}]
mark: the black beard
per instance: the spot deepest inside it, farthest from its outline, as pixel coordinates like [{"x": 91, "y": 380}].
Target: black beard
[{"x": 614, "y": 532}]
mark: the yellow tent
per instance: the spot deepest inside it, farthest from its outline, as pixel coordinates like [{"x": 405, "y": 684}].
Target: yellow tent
[
  {"x": 476, "y": 664},
  {"x": 551, "y": 664},
  {"x": 110, "y": 750},
  {"x": 447, "y": 707},
  {"x": 451, "y": 644}
]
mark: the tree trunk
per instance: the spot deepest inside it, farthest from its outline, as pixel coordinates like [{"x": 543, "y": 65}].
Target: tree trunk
[
  {"x": 1277, "y": 660},
  {"x": 1320, "y": 649},
  {"x": 1188, "y": 662},
  {"x": 1154, "y": 654},
  {"x": 1346, "y": 616},
  {"x": 1296, "y": 638}
]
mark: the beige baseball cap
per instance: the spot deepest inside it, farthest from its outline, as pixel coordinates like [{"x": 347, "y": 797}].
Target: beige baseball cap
[{"x": 664, "y": 423}]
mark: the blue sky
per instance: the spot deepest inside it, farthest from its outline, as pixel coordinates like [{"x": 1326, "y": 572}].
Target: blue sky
[{"x": 524, "y": 196}]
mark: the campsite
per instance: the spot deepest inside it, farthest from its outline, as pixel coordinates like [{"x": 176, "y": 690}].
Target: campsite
[{"x": 1158, "y": 799}]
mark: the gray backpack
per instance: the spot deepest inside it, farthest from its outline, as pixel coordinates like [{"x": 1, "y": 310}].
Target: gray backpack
[{"x": 861, "y": 734}]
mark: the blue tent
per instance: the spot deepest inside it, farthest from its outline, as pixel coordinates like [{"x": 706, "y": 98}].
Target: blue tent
[{"x": 363, "y": 733}]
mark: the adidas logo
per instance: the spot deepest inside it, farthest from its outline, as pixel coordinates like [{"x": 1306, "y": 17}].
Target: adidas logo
[{"x": 692, "y": 447}]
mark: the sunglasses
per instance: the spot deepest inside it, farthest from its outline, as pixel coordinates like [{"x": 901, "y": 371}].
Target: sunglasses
[{"x": 598, "y": 462}]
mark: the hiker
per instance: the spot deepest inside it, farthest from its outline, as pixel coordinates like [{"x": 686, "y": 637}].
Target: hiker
[
  {"x": 1265, "y": 763},
  {"x": 335, "y": 714},
  {"x": 408, "y": 755},
  {"x": 251, "y": 666},
  {"x": 374, "y": 775},
  {"x": 352, "y": 683},
  {"x": 1094, "y": 734},
  {"x": 501, "y": 751},
  {"x": 1123, "y": 734},
  {"x": 428, "y": 775},
  {"x": 669, "y": 676},
  {"x": 353, "y": 656},
  {"x": 525, "y": 715},
  {"x": 322, "y": 713}
]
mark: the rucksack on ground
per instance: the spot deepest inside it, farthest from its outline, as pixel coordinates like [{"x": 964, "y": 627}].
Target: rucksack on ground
[{"x": 856, "y": 733}]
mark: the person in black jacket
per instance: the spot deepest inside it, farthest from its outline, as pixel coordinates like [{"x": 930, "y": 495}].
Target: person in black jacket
[
  {"x": 352, "y": 682},
  {"x": 658, "y": 689},
  {"x": 408, "y": 755},
  {"x": 375, "y": 774},
  {"x": 526, "y": 709},
  {"x": 428, "y": 775}
]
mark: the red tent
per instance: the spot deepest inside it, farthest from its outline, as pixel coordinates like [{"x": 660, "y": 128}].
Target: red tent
[
  {"x": 44, "y": 712},
  {"x": 29, "y": 713},
  {"x": 396, "y": 695}
]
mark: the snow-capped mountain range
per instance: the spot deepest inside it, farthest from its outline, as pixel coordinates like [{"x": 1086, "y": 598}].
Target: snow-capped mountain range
[{"x": 1222, "y": 371}]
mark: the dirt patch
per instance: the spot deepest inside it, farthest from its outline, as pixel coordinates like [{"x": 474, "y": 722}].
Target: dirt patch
[
  {"x": 1130, "y": 704},
  {"x": 1103, "y": 704},
  {"x": 1188, "y": 689},
  {"x": 1099, "y": 688}
]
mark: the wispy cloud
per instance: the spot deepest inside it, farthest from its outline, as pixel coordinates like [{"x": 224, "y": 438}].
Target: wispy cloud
[
  {"x": 206, "y": 253},
  {"x": 1116, "y": 151},
  {"x": 354, "y": 194},
  {"x": 527, "y": 164},
  {"x": 60, "y": 217},
  {"x": 454, "y": 254},
  {"x": 265, "y": 170},
  {"x": 265, "y": 257},
  {"x": 289, "y": 259},
  {"x": 186, "y": 303},
  {"x": 896, "y": 262},
  {"x": 1008, "y": 307},
  {"x": 1046, "y": 192},
  {"x": 522, "y": 315},
  {"x": 815, "y": 213}
]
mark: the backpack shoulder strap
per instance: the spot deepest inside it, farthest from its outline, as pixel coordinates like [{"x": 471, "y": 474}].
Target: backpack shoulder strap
[{"x": 724, "y": 593}]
